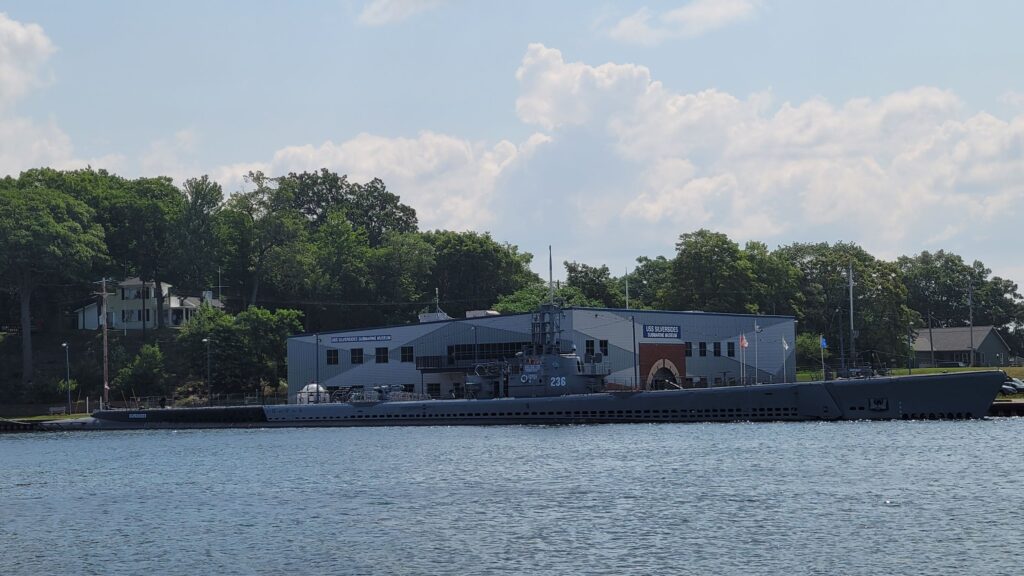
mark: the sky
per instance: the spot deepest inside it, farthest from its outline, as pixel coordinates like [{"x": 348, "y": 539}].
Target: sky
[{"x": 603, "y": 129}]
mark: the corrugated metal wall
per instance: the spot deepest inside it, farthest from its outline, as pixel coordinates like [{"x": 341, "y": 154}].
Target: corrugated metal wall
[{"x": 431, "y": 344}]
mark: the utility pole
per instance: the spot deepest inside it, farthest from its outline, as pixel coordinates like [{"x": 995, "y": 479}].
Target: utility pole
[
  {"x": 970, "y": 307},
  {"x": 931, "y": 340},
  {"x": 853, "y": 333},
  {"x": 106, "y": 356}
]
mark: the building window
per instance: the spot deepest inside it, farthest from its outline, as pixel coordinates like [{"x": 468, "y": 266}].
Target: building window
[
  {"x": 382, "y": 355},
  {"x": 434, "y": 389},
  {"x": 689, "y": 348},
  {"x": 718, "y": 348},
  {"x": 357, "y": 355},
  {"x": 147, "y": 314},
  {"x": 730, "y": 349},
  {"x": 703, "y": 349},
  {"x": 604, "y": 347},
  {"x": 332, "y": 355},
  {"x": 407, "y": 355},
  {"x": 589, "y": 347}
]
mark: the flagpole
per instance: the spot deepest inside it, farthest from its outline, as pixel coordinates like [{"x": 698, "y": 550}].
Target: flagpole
[
  {"x": 756, "y": 375},
  {"x": 785, "y": 349},
  {"x": 821, "y": 340}
]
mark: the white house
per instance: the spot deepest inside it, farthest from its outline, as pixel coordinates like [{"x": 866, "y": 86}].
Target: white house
[{"x": 131, "y": 305}]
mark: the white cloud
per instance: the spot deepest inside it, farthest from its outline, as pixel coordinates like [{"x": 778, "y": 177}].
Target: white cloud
[
  {"x": 894, "y": 173},
  {"x": 690, "y": 20},
  {"x": 24, "y": 50},
  {"x": 450, "y": 181},
  {"x": 24, "y": 142},
  {"x": 382, "y": 12}
]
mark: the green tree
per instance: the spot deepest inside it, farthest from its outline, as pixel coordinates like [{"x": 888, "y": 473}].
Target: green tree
[
  {"x": 881, "y": 316},
  {"x": 265, "y": 233},
  {"x": 529, "y": 299},
  {"x": 596, "y": 284},
  {"x": 199, "y": 254},
  {"x": 774, "y": 282},
  {"x": 264, "y": 336},
  {"x": 809, "y": 352},
  {"x": 709, "y": 273},
  {"x": 144, "y": 375},
  {"x": 399, "y": 268},
  {"x": 45, "y": 236},
  {"x": 472, "y": 271},
  {"x": 379, "y": 212},
  {"x": 157, "y": 208},
  {"x": 649, "y": 282}
]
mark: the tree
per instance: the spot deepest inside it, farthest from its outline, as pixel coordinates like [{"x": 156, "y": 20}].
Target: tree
[
  {"x": 472, "y": 271},
  {"x": 809, "y": 351},
  {"x": 244, "y": 350},
  {"x": 399, "y": 269},
  {"x": 595, "y": 283},
  {"x": 774, "y": 282},
  {"x": 45, "y": 236},
  {"x": 379, "y": 212},
  {"x": 709, "y": 274},
  {"x": 881, "y": 316},
  {"x": 941, "y": 285},
  {"x": 264, "y": 336},
  {"x": 157, "y": 208},
  {"x": 529, "y": 299},
  {"x": 649, "y": 282},
  {"x": 262, "y": 229},
  {"x": 144, "y": 375},
  {"x": 199, "y": 253}
]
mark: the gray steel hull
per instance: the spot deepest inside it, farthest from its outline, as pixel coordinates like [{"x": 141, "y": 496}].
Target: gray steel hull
[{"x": 945, "y": 396}]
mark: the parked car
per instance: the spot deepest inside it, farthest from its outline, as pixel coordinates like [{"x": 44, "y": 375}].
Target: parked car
[
  {"x": 1016, "y": 383},
  {"x": 1007, "y": 390}
]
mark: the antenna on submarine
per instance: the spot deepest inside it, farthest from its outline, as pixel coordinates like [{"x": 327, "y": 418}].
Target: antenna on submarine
[{"x": 551, "y": 277}]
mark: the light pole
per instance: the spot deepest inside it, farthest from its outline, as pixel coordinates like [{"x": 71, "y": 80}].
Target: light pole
[
  {"x": 67, "y": 373},
  {"x": 209, "y": 382},
  {"x": 475, "y": 356}
]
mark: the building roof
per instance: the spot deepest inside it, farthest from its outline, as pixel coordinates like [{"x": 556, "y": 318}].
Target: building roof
[{"x": 953, "y": 339}]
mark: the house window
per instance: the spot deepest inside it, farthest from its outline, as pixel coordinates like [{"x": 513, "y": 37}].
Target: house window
[
  {"x": 604, "y": 347},
  {"x": 730, "y": 349},
  {"x": 382, "y": 355},
  {"x": 434, "y": 389},
  {"x": 589, "y": 347},
  {"x": 147, "y": 314},
  {"x": 703, "y": 349},
  {"x": 407, "y": 355},
  {"x": 357, "y": 355},
  {"x": 718, "y": 348},
  {"x": 332, "y": 355},
  {"x": 689, "y": 348}
]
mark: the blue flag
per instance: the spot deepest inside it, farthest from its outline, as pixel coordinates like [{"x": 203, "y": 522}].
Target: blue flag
[{"x": 823, "y": 343}]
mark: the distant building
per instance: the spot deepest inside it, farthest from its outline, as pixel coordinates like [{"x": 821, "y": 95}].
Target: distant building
[
  {"x": 952, "y": 347},
  {"x": 649, "y": 348},
  {"x": 132, "y": 306}
]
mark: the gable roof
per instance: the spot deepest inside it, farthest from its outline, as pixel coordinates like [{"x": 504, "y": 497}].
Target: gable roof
[{"x": 953, "y": 339}]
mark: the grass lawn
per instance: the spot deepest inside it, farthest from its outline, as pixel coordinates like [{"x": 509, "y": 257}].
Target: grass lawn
[{"x": 44, "y": 418}]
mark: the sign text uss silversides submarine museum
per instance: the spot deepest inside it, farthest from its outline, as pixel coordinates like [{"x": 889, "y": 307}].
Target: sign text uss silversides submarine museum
[{"x": 659, "y": 331}]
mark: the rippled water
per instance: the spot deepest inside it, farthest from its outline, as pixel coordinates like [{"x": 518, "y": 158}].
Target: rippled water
[{"x": 828, "y": 498}]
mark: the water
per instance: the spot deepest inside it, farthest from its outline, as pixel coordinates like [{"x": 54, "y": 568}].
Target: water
[{"x": 822, "y": 498}]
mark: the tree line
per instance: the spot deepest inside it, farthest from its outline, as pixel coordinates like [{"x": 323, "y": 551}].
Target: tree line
[
  {"x": 892, "y": 301},
  {"x": 344, "y": 254}
]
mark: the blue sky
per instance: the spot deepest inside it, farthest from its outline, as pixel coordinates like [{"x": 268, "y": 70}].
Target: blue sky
[{"x": 604, "y": 129}]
